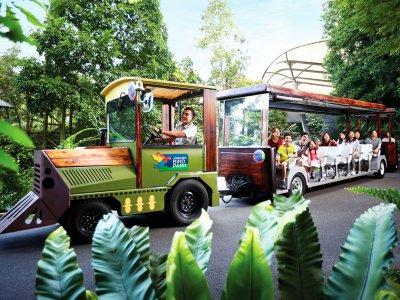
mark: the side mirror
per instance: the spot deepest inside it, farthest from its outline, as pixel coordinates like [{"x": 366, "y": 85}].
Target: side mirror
[
  {"x": 103, "y": 136},
  {"x": 146, "y": 98}
]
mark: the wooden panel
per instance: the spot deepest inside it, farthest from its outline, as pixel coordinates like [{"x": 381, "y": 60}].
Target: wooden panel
[
  {"x": 239, "y": 161},
  {"x": 210, "y": 129},
  {"x": 90, "y": 157},
  {"x": 391, "y": 154}
]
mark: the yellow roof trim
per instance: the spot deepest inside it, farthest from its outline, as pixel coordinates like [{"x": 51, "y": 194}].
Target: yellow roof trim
[{"x": 123, "y": 83}]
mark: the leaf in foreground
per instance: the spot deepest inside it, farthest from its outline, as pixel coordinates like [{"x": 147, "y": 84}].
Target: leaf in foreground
[
  {"x": 249, "y": 275},
  {"x": 300, "y": 260},
  {"x": 185, "y": 280},
  {"x": 58, "y": 275},
  {"x": 359, "y": 274},
  {"x": 118, "y": 269}
]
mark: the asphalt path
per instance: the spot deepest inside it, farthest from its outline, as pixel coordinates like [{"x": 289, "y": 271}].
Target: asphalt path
[{"x": 333, "y": 210}]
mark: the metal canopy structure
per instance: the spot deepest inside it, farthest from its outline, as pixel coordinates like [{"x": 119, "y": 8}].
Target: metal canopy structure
[
  {"x": 301, "y": 68},
  {"x": 5, "y": 104}
]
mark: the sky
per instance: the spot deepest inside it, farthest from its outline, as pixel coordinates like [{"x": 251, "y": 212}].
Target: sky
[{"x": 270, "y": 27}]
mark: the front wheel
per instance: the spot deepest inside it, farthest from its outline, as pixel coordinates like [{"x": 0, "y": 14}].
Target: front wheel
[
  {"x": 381, "y": 170},
  {"x": 83, "y": 218},
  {"x": 298, "y": 184},
  {"x": 186, "y": 201}
]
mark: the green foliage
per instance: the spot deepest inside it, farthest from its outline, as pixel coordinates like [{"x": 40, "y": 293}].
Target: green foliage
[
  {"x": 117, "y": 264},
  {"x": 72, "y": 142},
  {"x": 388, "y": 195},
  {"x": 10, "y": 21},
  {"x": 58, "y": 275},
  {"x": 317, "y": 126},
  {"x": 249, "y": 276},
  {"x": 300, "y": 260},
  {"x": 185, "y": 280},
  {"x": 222, "y": 39},
  {"x": 363, "y": 55},
  {"x": 367, "y": 252},
  {"x": 126, "y": 268},
  {"x": 15, "y": 152}
]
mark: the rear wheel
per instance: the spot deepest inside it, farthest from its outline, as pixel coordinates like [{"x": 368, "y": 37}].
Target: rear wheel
[
  {"x": 82, "y": 220},
  {"x": 381, "y": 170},
  {"x": 186, "y": 201},
  {"x": 298, "y": 184}
]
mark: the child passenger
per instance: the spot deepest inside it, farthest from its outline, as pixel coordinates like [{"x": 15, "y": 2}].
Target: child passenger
[
  {"x": 312, "y": 158},
  {"x": 285, "y": 151}
]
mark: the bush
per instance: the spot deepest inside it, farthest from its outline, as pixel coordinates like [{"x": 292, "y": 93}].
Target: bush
[{"x": 126, "y": 268}]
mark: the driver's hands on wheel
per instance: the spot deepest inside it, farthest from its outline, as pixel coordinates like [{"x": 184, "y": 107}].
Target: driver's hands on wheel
[{"x": 155, "y": 129}]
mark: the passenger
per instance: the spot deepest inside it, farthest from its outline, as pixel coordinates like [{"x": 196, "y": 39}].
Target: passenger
[
  {"x": 388, "y": 138},
  {"x": 355, "y": 150},
  {"x": 275, "y": 141},
  {"x": 326, "y": 140},
  {"x": 185, "y": 132},
  {"x": 357, "y": 136},
  {"x": 312, "y": 158},
  {"x": 285, "y": 151},
  {"x": 376, "y": 143},
  {"x": 301, "y": 145},
  {"x": 341, "y": 139}
]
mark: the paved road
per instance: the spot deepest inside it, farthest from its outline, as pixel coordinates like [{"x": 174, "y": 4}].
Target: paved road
[{"x": 333, "y": 210}]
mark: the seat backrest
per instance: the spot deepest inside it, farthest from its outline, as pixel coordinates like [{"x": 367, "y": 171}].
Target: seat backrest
[
  {"x": 322, "y": 154},
  {"x": 333, "y": 152},
  {"x": 365, "y": 151},
  {"x": 345, "y": 152}
]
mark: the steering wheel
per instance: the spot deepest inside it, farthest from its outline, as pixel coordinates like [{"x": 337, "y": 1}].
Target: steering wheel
[{"x": 150, "y": 134}]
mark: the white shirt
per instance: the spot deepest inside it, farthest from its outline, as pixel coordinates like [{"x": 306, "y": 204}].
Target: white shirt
[
  {"x": 387, "y": 140},
  {"x": 191, "y": 132}
]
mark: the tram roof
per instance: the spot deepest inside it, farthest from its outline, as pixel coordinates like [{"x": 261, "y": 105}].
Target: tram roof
[{"x": 295, "y": 100}]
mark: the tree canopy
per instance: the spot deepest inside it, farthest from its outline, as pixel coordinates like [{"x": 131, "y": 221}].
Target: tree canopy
[
  {"x": 364, "y": 53},
  {"x": 222, "y": 38}
]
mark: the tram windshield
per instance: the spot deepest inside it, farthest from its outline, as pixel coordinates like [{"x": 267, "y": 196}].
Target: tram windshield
[{"x": 244, "y": 119}]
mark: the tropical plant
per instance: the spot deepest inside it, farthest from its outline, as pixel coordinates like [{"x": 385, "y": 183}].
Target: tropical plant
[
  {"x": 387, "y": 195},
  {"x": 10, "y": 21},
  {"x": 71, "y": 142},
  {"x": 125, "y": 267}
]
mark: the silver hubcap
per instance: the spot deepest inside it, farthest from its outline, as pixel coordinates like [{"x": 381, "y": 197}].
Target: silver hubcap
[
  {"x": 297, "y": 185},
  {"x": 382, "y": 168}
]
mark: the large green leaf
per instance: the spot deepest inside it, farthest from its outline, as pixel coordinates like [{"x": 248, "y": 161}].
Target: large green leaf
[
  {"x": 7, "y": 161},
  {"x": 29, "y": 16},
  {"x": 185, "y": 280},
  {"x": 359, "y": 274},
  {"x": 140, "y": 236},
  {"x": 118, "y": 269},
  {"x": 300, "y": 260},
  {"x": 158, "y": 270},
  {"x": 387, "y": 195},
  {"x": 290, "y": 216},
  {"x": 16, "y": 134},
  {"x": 263, "y": 217},
  {"x": 249, "y": 276},
  {"x": 15, "y": 32},
  {"x": 284, "y": 204},
  {"x": 58, "y": 275},
  {"x": 198, "y": 238}
]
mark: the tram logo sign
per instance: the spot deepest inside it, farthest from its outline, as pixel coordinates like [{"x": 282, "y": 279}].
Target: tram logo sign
[{"x": 171, "y": 162}]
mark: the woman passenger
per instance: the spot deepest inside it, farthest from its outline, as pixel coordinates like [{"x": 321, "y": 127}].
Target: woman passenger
[
  {"x": 326, "y": 140},
  {"x": 274, "y": 141},
  {"x": 354, "y": 150},
  {"x": 341, "y": 139}
]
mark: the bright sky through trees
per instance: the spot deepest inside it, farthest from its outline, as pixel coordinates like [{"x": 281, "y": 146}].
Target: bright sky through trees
[{"x": 270, "y": 26}]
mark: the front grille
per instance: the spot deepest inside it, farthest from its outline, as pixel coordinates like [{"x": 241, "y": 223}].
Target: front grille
[
  {"x": 77, "y": 177},
  {"x": 36, "y": 180}
]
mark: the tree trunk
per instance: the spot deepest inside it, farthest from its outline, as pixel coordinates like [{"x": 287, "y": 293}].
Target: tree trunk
[
  {"x": 71, "y": 114},
  {"x": 45, "y": 127},
  {"x": 62, "y": 123}
]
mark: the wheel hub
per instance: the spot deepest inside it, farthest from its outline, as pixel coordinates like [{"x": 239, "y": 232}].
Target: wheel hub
[
  {"x": 188, "y": 202},
  {"x": 89, "y": 221}
]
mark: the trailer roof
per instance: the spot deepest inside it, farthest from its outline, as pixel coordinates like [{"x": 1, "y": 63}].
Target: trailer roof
[
  {"x": 295, "y": 100},
  {"x": 161, "y": 89}
]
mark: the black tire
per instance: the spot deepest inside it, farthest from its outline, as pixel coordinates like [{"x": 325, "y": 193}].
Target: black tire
[
  {"x": 381, "y": 172},
  {"x": 186, "y": 200},
  {"x": 298, "y": 184},
  {"x": 82, "y": 219}
]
